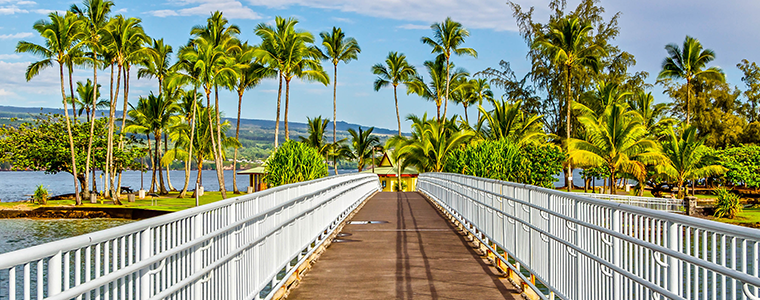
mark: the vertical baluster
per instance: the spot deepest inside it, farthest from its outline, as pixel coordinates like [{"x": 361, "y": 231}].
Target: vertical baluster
[
  {"x": 12, "y": 283},
  {"x": 27, "y": 282},
  {"x": 40, "y": 281}
]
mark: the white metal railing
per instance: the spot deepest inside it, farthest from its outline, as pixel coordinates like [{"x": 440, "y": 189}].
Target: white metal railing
[
  {"x": 239, "y": 248},
  {"x": 664, "y": 204},
  {"x": 584, "y": 248}
]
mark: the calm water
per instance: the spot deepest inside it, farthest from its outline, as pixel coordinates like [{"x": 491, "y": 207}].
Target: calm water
[{"x": 22, "y": 233}]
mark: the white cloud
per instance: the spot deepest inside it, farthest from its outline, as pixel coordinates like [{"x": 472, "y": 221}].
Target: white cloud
[
  {"x": 343, "y": 20},
  {"x": 19, "y": 35},
  {"x": 490, "y": 14},
  {"x": 12, "y": 79},
  {"x": 413, "y": 26},
  {"x": 9, "y": 56},
  {"x": 10, "y": 10},
  {"x": 231, "y": 9},
  {"x": 26, "y": 3},
  {"x": 4, "y": 92},
  {"x": 44, "y": 11}
]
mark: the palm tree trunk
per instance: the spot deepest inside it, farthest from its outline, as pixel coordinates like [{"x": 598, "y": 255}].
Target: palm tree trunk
[
  {"x": 335, "y": 114},
  {"x": 569, "y": 177},
  {"x": 92, "y": 124},
  {"x": 157, "y": 164},
  {"x": 277, "y": 119},
  {"x": 398, "y": 116},
  {"x": 198, "y": 177},
  {"x": 152, "y": 165},
  {"x": 219, "y": 153},
  {"x": 237, "y": 136},
  {"x": 190, "y": 151},
  {"x": 613, "y": 182},
  {"x": 71, "y": 143},
  {"x": 448, "y": 80},
  {"x": 466, "y": 117},
  {"x": 168, "y": 177},
  {"x": 124, "y": 116},
  {"x": 688, "y": 101},
  {"x": 287, "y": 104},
  {"x": 71, "y": 90},
  {"x": 111, "y": 119}
]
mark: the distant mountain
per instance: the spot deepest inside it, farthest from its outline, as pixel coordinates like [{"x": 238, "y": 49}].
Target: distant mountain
[{"x": 23, "y": 112}]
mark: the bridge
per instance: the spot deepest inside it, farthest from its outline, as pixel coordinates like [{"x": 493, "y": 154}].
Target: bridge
[{"x": 339, "y": 237}]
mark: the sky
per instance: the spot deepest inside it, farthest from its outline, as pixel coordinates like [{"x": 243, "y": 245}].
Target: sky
[{"x": 727, "y": 27}]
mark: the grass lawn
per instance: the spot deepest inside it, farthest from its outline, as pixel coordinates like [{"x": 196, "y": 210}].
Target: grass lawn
[
  {"x": 168, "y": 202},
  {"x": 749, "y": 216}
]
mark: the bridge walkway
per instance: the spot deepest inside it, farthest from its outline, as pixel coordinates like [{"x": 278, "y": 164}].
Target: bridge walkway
[{"x": 417, "y": 254}]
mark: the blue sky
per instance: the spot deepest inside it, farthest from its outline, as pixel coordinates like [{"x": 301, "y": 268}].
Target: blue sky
[{"x": 380, "y": 26}]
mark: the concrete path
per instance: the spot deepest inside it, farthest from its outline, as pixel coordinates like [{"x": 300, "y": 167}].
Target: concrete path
[{"x": 415, "y": 254}]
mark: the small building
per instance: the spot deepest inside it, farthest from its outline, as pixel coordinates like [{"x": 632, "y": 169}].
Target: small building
[
  {"x": 256, "y": 178},
  {"x": 388, "y": 174}
]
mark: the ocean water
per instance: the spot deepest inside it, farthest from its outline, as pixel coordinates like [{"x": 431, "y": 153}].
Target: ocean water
[{"x": 17, "y": 234}]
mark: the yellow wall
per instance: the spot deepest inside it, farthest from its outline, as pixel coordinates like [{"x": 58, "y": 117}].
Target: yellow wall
[{"x": 389, "y": 182}]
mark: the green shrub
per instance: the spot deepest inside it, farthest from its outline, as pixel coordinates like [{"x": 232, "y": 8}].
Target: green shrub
[
  {"x": 504, "y": 160},
  {"x": 41, "y": 195},
  {"x": 294, "y": 162},
  {"x": 728, "y": 204}
]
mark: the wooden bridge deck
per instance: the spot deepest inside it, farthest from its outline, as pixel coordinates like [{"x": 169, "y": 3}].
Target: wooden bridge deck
[{"x": 417, "y": 254}]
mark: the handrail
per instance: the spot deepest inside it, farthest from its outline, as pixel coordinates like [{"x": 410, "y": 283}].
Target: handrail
[
  {"x": 646, "y": 251},
  {"x": 255, "y": 236}
]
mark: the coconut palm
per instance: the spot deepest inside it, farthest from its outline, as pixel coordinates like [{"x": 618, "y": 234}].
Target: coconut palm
[
  {"x": 603, "y": 95},
  {"x": 687, "y": 161},
  {"x": 249, "y": 75},
  {"x": 183, "y": 74},
  {"x": 448, "y": 38},
  {"x": 216, "y": 40},
  {"x": 362, "y": 143},
  {"x": 290, "y": 52},
  {"x": 213, "y": 66},
  {"x": 60, "y": 35},
  {"x": 94, "y": 14},
  {"x": 395, "y": 71},
  {"x": 338, "y": 48},
  {"x": 653, "y": 115},
  {"x": 509, "y": 121},
  {"x": 616, "y": 140},
  {"x": 481, "y": 90},
  {"x": 689, "y": 63},
  {"x": 430, "y": 144},
  {"x": 434, "y": 90},
  {"x": 122, "y": 37},
  {"x": 569, "y": 47},
  {"x": 316, "y": 137},
  {"x": 153, "y": 114},
  {"x": 462, "y": 94},
  {"x": 84, "y": 92}
]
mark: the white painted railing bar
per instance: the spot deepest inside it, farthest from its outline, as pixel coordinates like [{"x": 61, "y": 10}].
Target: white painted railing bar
[
  {"x": 230, "y": 249},
  {"x": 584, "y": 248},
  {"x": 664, "y": 204}
]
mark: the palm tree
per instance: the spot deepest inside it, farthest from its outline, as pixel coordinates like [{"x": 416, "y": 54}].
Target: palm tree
[
  {"x": 570, "y": 47},
  {"x": 604, "y": 95},
  {"x": 481, "y": 90},
  {"x": 214, "y": 41},
  {"x": 249, "y": 75},
  {"x": 462, "y": 94},
  {"x": 509, "y": 121},
  {"x": 686, "y": 159},
  {"x": 653, "y": 115},
  {"x": 176, "y": 78},
  {"x": 60, "y": 35},
  {"x": 123, "y": 37},
  {"x": 153, "y": 114},
  {"x": 316, "y": 138},
  {"x": 447, "y": 38},
  {"x": 431, "y": 143},
  {"x": 289, "y": 51},
  {"x": 616, "y": 140},
  {"x": 395, "y": 71},
  {"x": 338, "y": 48},
  {"x": 434, "y": 90},
  {"x": 84, "y": 91},
  {"x": 362, "y": 143},
  {"x": 689, "y": 63},
  {"x": 94, "y": 14}
]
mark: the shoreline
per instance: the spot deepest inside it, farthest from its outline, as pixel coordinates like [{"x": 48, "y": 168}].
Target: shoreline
[{"x": 69, "y": 212}]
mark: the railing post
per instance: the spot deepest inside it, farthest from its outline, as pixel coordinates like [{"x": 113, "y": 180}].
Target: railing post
[
  {"x": 672, "y": 262},
  {"x": 616, "y": 249},
  {"x": 232, "y": 280},
  {"x": 54, "y": 274},
  {"x": 197, "y": 256},
  {"x": 145, "y": 253}
]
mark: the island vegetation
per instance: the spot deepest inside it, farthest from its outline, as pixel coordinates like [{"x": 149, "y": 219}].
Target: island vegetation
[{"x": 578, "y": 107}]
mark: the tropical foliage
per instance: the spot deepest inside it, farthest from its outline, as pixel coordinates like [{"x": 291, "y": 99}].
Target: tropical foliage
[
  {"x": 294, "y": 162},
  {"x": 728, "y": 205}
]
